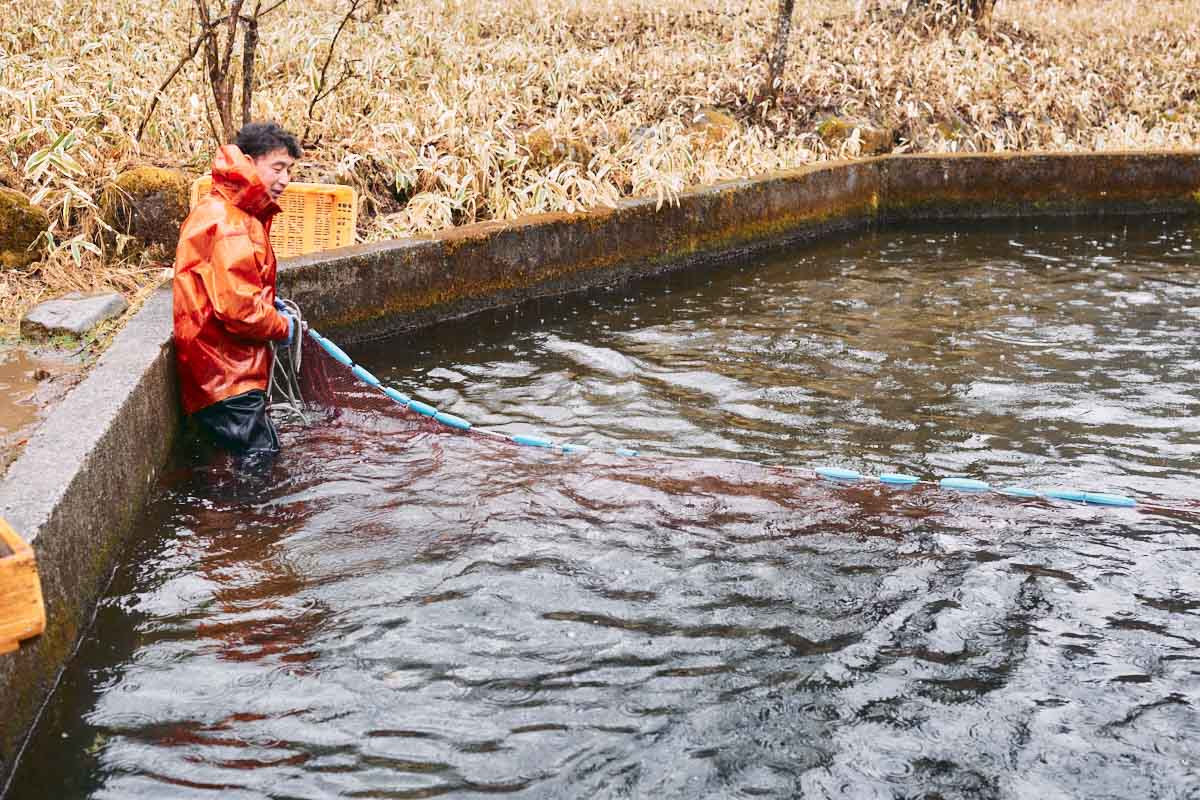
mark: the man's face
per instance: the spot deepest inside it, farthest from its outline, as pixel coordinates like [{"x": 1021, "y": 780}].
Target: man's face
[{"x": 273, "y": 168}]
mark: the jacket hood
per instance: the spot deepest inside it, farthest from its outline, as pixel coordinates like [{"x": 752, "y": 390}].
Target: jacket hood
[{"x": 236, "y": 179}]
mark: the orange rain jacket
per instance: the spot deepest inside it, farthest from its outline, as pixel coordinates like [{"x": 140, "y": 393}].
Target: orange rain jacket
[{"x": 224, "y": 287}]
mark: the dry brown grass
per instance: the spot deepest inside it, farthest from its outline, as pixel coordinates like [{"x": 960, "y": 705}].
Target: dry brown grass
[{"x": 489, "y": 109}]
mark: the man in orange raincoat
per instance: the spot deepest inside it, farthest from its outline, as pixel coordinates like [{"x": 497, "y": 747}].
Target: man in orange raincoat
[{"x": 224, "y": 291}]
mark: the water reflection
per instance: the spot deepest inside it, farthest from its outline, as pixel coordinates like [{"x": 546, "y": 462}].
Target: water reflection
[{"x": 398, "y": 611}]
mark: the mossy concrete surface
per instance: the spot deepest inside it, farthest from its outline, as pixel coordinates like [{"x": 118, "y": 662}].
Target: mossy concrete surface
[
  {"x": 373, "y": 290},
  {"x": 86, "y": 474},
  {"x": 920, "y": 187}
]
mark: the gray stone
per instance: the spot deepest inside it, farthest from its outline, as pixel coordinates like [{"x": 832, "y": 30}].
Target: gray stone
[{"x": 72, "y": 314}]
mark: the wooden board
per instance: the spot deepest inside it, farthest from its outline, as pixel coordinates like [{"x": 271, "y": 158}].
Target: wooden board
[{"x": 22, "y": 612}]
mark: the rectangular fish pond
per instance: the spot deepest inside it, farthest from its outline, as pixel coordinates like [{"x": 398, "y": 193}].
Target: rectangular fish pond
[{"x": 394, "y": 609}]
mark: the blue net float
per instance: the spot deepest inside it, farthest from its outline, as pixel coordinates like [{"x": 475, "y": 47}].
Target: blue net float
[
  {"x": 338, "y": 354},
  {"x": 399, "y": 397},
  {"x": 1103, "y": 499},
  {"x": 964, "y": 484},
  {"x": 364, "y": 376},
  {"x": 449, "y": 420},
  {"x": 532, "y": 441},
  {"x": 839, "y": 474},
  {"x": 1019, "y": 491},
  {"x": 422, "y": 408},
  {"x": 1073, "y": 495}
]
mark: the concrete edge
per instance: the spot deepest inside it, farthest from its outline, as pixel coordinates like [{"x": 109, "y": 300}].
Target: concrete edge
[
  {"x": 374, "y": 290},
  {"x": 90, "y": 468},
  {"x": 77, "y": 490}
]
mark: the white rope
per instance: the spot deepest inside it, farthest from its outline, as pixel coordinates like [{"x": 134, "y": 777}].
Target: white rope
[{"x": 284, "y": 378}]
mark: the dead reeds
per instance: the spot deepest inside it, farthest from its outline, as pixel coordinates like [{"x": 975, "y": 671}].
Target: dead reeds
[{"x": 466, "y": 110}]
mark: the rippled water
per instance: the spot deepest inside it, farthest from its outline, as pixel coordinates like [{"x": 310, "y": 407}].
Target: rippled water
[{"x": 398, "y": 611}]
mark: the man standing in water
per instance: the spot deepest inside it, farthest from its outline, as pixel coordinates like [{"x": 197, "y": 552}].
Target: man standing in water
[{"x": 224, "y": 291}]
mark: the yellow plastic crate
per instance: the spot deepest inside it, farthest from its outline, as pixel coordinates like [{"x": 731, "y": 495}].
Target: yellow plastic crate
[
  {"x": 22, "y": 610},
  {"x": 315, "y": 216}
]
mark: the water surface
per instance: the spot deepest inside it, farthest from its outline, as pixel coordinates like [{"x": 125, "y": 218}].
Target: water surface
[{"x": 398, "y": 611}]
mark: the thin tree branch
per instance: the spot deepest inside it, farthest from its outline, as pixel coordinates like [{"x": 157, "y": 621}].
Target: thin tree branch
[
  {"x": 208, "y": 118},
  {"x": 269, "y": 9},
  {"x": 321, "y": 92},
  {"x": 210, "y": 44},
  {"x": 162, "y": 88},
  {"x": 347, "y": 73}
]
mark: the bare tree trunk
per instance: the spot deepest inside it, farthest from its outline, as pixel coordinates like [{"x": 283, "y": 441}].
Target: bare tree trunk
[
  {"x": 225, "y": 102},
  {"x": 249, "y": 44},
  {"x": 783, "y": 32},
  {"x": 218, "y": 61}
]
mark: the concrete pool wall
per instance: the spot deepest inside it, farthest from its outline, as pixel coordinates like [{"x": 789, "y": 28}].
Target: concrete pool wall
[{"x": 79, "y": 488}]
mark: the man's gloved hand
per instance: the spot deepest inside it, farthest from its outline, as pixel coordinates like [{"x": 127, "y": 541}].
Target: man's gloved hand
[{"x": 291, "y": 321}]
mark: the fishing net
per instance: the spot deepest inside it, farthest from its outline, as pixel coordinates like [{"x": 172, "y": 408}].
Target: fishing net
[{"x": 315, "y": 387}]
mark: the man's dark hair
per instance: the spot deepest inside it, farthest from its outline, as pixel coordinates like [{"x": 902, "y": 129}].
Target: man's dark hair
[{"x": 259, "y": 138}]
